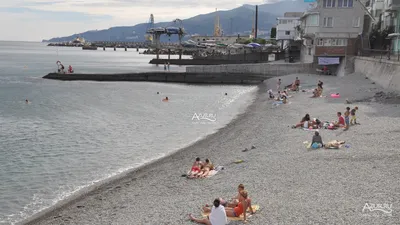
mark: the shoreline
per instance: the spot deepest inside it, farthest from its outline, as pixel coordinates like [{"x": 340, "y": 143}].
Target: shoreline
[
  {"x": 81, "y": 194},
  {"x": 291, "y": 184}
]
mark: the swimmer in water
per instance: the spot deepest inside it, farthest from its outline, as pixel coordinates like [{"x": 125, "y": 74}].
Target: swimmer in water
[
  {"x": 26, "y": 101},
  {"x": 166, "y": 98}
]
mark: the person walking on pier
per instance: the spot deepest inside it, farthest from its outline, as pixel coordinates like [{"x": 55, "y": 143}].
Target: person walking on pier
[{"x": 165, "y": 66}]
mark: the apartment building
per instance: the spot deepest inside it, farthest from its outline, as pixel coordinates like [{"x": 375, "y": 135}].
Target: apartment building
[
  {"x": 330, "y": 29},
  {"x": 286, "y": 26},
  {"x": 389, "y": 17}
]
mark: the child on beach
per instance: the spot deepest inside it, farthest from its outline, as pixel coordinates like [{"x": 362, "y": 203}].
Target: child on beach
[
  {"x": 278, "y": 85},
  {"x": 353, "y": 116},
  {"x": 347, "y": 118}
]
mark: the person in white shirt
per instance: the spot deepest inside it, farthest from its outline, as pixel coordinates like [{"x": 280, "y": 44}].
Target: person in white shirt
[{"x": 217, "y": 215}]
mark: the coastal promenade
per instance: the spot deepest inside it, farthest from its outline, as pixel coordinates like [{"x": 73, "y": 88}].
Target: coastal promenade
[{"x": 291, "y": 184}]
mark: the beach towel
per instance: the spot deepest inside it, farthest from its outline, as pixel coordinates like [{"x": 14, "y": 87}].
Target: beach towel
[
  {"x": 248, "y": 214},
  {"x": 310, "y": 129}
]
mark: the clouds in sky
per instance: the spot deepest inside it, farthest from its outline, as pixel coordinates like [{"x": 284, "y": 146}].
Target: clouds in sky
[{"x": 34, "y": 20}]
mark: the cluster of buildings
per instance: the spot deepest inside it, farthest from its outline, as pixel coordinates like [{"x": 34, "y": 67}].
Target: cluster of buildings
[{"x": 331, "y": 30}]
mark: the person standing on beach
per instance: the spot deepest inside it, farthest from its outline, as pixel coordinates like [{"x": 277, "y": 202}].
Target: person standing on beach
[
  {"x": 297, "y": 84},
  {"x": 217, "y": 215},
  {"x": 278, "y": 85},
  {"x": 347, "y": 118},
  {"x": 353, "y": 116}
]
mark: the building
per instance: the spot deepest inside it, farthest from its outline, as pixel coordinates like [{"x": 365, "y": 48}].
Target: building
[
  {"x": 286, "y": 26},
  {"x": 386, "y": 17},
  {"x": 330, "y": 30},
  {"x": 227, "y": 40}
]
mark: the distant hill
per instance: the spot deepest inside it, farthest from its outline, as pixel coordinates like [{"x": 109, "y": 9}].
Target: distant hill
[
  {"x": 279, "y": 8},
  {"x": 238, "y": 20}
]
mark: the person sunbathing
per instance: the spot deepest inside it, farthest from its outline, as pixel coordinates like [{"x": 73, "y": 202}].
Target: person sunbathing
[
  {"x": 305, "y": 119},
  {"x": 240, "y": 209},
  {"x": 217, "y": 215},
  {"x": 196, "y": 167},
  {"x": 235, "y": 200},
  {"x": 206, "y": 168},
  {"x": 335, "y": 144}
]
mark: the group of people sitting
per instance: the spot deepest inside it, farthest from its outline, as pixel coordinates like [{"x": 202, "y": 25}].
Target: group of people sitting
[
  {"x": 222, "y": 209},
  {"x": 200, "y": 169},
  {"x": 318, "y": 91},
  {"x": 308, "y": 123}
]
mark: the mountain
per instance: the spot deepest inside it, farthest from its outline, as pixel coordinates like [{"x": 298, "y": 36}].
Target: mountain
[
  {"x": 279, "y": 8},
  {"x": 238, "y": 20}
]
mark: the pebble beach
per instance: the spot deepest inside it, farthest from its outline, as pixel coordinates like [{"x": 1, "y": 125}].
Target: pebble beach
[{"x": 291, "y": 184}]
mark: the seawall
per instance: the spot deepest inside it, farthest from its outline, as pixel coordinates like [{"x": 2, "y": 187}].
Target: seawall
[
  {"x": 385, "y": 73},
  {"x": 201, "y": 61},
  {"x": 174, "y": 77},
  {"x": 265, "y": 69}
]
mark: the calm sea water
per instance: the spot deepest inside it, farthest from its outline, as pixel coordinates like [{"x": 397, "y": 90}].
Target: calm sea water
[{"x": 73, "y": 134}]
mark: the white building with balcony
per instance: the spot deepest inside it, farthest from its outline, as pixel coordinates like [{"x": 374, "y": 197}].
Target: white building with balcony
[{"x": 286, "y": 26}]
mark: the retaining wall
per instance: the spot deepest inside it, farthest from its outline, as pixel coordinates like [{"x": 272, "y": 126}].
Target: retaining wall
[
  {"x": 384, "y": 72},
  {"x": 266, "y": 69}
]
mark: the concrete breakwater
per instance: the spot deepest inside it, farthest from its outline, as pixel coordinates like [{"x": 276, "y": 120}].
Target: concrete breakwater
[
  {"x": 201, "y": 61},
  {"x": 175, "y": 77},
  {"x": 266, "y": 69},
  {"x": 385, "y": 73}
]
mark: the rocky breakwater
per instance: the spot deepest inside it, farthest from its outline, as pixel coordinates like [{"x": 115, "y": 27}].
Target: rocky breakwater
[{"x": 175, "y": 77}]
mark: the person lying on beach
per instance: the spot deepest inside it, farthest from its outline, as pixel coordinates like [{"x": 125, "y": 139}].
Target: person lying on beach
[
  {"x": 341, "y": 122},
  {"x": 335, "y": 144},
  {"x": 306, "y": 118},
  {"x": 196, "y": 168},
  {"x": 240, "y": 209},
  {"x": 317, "y": 141},
  {"x": 205, "y": 169},
  {"x": 235, "y": 200},
  {"x": 217, "y": 215}
]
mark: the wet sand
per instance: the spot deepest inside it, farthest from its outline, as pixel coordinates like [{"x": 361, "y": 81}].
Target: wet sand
[{"x": 291, "y": 184}]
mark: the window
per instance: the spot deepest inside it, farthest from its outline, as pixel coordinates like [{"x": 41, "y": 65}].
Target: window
[
  {"x": 289, "y": 21},
  {"x": 356, "y": 22},
  {"x": 328, "y": 22},
  {"x": 287, "y": 32},
  {"x": 339, "y": 42},
  {"x": 329, "y": 3},
  {"x": 312, "y": 20},
  {"x": 345, "y": 3},
  {"x": 283, "y": 22},
  {"x": 320, "y": 42}
]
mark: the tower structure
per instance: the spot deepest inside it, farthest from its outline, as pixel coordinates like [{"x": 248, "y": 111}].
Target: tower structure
[{"x": 217, "y": 26}]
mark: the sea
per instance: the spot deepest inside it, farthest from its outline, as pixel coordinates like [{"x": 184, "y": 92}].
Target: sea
[{"x": 73, "y": 134}]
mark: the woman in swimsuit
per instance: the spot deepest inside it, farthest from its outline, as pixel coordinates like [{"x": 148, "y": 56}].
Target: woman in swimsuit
[
  {"x": 195, "y": 167},
  {"x": 205, "y": 170},
  {"x": 240, "y": 209}
]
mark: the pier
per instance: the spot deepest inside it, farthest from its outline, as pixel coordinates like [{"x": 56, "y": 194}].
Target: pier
[{"x": 172, "y": 77}]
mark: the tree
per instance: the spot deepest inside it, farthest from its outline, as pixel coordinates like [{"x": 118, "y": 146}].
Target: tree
[{"x": 273, "y": 33}]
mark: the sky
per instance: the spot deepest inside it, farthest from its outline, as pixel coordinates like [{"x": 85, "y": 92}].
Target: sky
[{"x": 35, "y": 20}]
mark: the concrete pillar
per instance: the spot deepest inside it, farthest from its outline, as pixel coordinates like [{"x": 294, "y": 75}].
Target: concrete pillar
[
  {"x": 157, "y": 53},
  {"x": 180, "y": 54}
]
